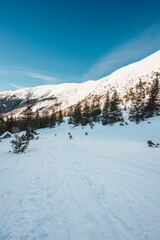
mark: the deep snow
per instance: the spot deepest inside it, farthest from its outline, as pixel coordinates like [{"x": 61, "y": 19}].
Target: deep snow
[{"x": 104, "y": 186}]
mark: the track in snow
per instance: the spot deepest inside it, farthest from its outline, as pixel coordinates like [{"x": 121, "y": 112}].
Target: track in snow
[{"x": 101, "y": 186}]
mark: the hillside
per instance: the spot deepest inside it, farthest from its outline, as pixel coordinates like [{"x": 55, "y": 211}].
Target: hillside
[
  {"x": 101, "y": 186},
  {"x": 65, "y": 95}
]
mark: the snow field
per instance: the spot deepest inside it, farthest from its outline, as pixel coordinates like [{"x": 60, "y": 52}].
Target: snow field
[{"x": 96, "y": 187}]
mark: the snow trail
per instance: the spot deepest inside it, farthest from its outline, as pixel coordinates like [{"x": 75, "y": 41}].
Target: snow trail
[{"x": 101, "y": 186}]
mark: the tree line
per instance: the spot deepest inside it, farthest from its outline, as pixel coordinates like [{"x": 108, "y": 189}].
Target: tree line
[{"x": 90, "y": 112}]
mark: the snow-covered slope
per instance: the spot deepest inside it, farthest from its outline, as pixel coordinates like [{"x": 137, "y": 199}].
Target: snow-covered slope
[
  {"x": 125, "y": 78},
  {"x": 104, "y": 186},
  {"x": 67, "y": 94}
]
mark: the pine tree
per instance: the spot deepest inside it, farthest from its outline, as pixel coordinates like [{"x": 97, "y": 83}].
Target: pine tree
[
  {"x": 52, "y": 121},
  {"x": 136, "y": 112},
  {"x": 153, "y": 104},
  {"x": 85, "y": 119},
  {"x": 37, "y": 121},
  {"x": 77, "y": 115},
  {"x": 115, "y": 114},
  {"x": 70, "y": 114},
  {"x": 2, "y": 124},
  {"x": 9, "y": 123},
  {"x": 29, "y": 123},
  {"x": 105, "y": 112},
  {"x": 60, "y": 118},
  {"x": 20, "y": 143},
  {"x": 95, "y": 111}
]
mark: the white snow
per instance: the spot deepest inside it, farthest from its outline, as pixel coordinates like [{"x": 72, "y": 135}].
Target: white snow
[
  {"x": 101, "y": 186},
  {"x": 68, "y": 94},
  {"x": 4, "y": 134}
]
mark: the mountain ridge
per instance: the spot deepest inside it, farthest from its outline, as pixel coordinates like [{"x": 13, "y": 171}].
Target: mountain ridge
[{"x": 64, "y": 95}]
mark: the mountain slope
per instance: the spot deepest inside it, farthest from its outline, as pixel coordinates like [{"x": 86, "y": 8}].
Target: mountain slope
[{"x": 67, "y": 94}]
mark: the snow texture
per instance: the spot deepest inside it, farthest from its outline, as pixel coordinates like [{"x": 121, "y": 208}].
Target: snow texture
[{"x": 101, "y": 186}]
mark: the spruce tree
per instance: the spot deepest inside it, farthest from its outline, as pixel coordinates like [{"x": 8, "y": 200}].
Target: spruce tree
[
  {"x": 60, "y": 118},
  {"x": 9, "y": 123},
  {"x": 115, "y": 114},
  {"x": 85, "y": 119},
  {"x": 105, "y": 112},
  {"x": 2, "y": 124},
  {"x": 20, "y": 143},
  {"x": 52, "y": 121},
  {"x": 95, "y": 110},
  {"x": 37, "y": 121},
  {"x": 29, "y": 122},
  {"x": 153, "y": 104},
  {"x": 70, "y": 114},
  {"x": 136, "y": 112},
  {"x": 77, "y": 115}
]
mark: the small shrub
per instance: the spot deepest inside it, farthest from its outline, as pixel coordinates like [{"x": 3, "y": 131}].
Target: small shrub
[
  {"x": 70, "y": 137},
  {"x": 20, "y": 144},
  {"x": 152, "y": 144}
]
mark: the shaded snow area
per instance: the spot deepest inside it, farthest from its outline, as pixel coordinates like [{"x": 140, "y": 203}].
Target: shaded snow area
[{"x": 103, "y": 186}]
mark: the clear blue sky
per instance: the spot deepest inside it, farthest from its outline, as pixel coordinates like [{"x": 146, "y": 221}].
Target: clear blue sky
[{"x": 51, "y": 42}]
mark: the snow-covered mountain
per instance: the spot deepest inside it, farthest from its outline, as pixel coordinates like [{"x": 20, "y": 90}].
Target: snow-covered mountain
[{"x": 65, "y": 95}]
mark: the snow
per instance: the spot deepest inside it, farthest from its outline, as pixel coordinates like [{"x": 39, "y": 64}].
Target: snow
[
  {"x": 6, "y": 133},
  {"x": 68, "y": 94},
  {"x": 101, "y": 186}
]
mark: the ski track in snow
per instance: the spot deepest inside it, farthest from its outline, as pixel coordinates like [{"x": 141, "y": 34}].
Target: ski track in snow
[{"x": 101, "y": 186}]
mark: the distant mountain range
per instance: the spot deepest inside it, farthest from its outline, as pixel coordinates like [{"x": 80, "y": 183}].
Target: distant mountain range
[{"x": 62, "y": 96}]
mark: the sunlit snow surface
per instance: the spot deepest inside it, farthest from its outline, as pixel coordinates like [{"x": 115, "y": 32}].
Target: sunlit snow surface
[
  {"x": 104, "y": 186},
  {"x": 68, "y": 94}
]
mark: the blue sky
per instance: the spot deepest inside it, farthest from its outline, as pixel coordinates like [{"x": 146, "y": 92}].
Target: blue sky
[{"x": 51, "y": 42}]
